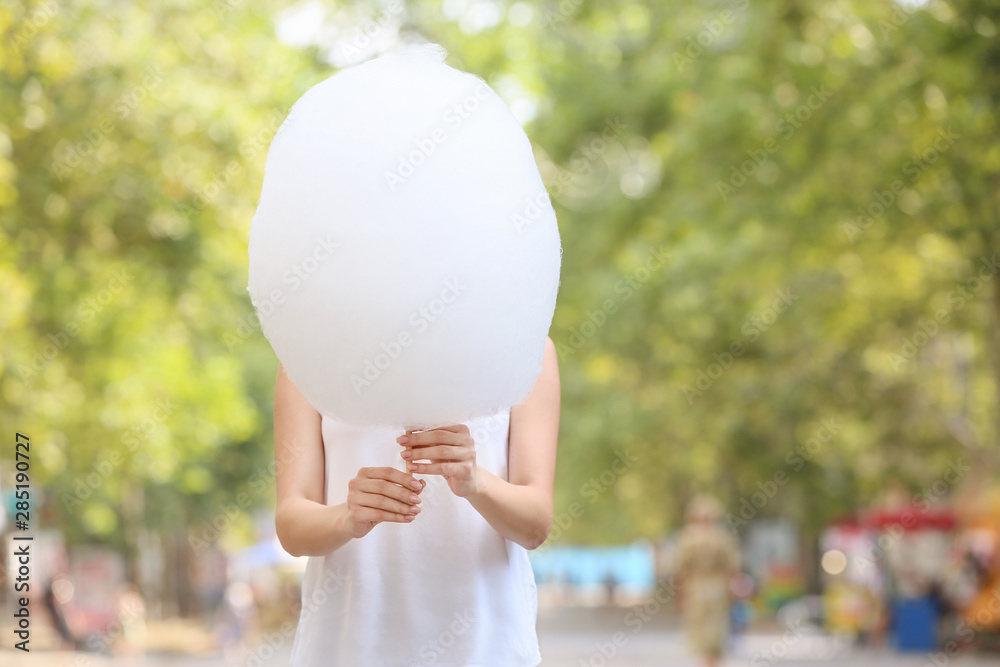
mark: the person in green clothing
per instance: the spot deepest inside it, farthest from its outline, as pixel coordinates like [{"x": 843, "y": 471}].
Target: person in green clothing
[{"x": 709, "y": 556}]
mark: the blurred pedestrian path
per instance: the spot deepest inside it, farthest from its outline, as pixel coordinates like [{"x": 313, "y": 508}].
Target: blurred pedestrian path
[{"x": 574, "y": 637}]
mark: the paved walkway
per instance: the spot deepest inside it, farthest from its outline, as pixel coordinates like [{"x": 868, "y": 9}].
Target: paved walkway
[{"x": 589, "y": 638}]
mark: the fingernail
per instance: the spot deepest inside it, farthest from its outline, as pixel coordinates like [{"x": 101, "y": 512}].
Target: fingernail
[
  {"x": 402, "y": 439},
  {"x": 416, "y": 485},
  {"x": 407, "y": 454},
  {"x": 414, "y": 498},
  {"x": 410, "y": 517},
  {"x": 414, "y": 510}
]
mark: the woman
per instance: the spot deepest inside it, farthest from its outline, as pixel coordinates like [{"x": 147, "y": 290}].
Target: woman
[
  {"x": 407, "y": 572},
  {"x": 708, "y": 558}
]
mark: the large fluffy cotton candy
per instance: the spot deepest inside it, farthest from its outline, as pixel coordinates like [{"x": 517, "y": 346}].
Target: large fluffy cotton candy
[{"x": 404, "y": 256}]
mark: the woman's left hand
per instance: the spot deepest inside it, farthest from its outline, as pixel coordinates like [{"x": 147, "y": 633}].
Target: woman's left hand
[{"x": 451, "y": 453}]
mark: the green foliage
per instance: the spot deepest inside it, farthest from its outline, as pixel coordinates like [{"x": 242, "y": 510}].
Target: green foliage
[{"x": 756, "y": 145}]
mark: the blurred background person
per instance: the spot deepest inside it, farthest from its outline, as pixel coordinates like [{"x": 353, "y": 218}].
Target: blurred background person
[
  {"x": 709, "y": 556},
  {"x": 781, "y": 258},
  {"x": 54, "y": 607}
]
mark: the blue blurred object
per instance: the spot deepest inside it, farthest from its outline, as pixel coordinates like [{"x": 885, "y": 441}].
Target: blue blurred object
[
  {"x": 265, "y": 553},
  {"x": 914, "y": 624},
  {"x": 629, "y": 566},
  {"x": 742, "y": 614}
]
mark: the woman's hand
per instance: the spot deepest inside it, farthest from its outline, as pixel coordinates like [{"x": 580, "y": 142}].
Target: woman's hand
[
  {"x": 451, "y": 453},
  {"x": 381, "y": 494}
]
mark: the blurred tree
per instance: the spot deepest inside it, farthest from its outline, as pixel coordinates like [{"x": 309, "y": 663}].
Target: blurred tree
[{"x": 780, "y": 226}]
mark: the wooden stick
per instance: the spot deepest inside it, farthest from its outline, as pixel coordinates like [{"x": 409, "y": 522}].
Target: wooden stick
[{"x": 406, "y": 464}]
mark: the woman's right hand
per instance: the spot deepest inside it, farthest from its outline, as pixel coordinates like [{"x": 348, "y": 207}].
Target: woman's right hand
[{"x": 381, "y": 494}]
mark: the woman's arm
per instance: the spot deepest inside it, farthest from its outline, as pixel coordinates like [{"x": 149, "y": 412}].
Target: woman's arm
[
  {"x": 305, "y": 525},
  {"x": 519, "y": 508}
]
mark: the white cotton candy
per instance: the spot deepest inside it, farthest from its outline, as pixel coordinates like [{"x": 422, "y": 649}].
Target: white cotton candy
[{"x": 404, "y": 256}]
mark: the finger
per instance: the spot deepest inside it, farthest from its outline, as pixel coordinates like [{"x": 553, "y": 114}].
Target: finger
[
  {"x": 379, "y": 502},
  {"x": 369, "y": 514},
  {"x": 442, "y": 453},
  {"x": 447, "y": 469},
  {"x": 393, "y": 475},
  {"x": 389, "y": 490},
  {"x": 435, "y": 437},
  {"x": 456, "y": 428}
]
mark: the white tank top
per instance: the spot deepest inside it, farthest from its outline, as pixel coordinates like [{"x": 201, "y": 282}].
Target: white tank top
[{"x": 446, "y": 590}]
